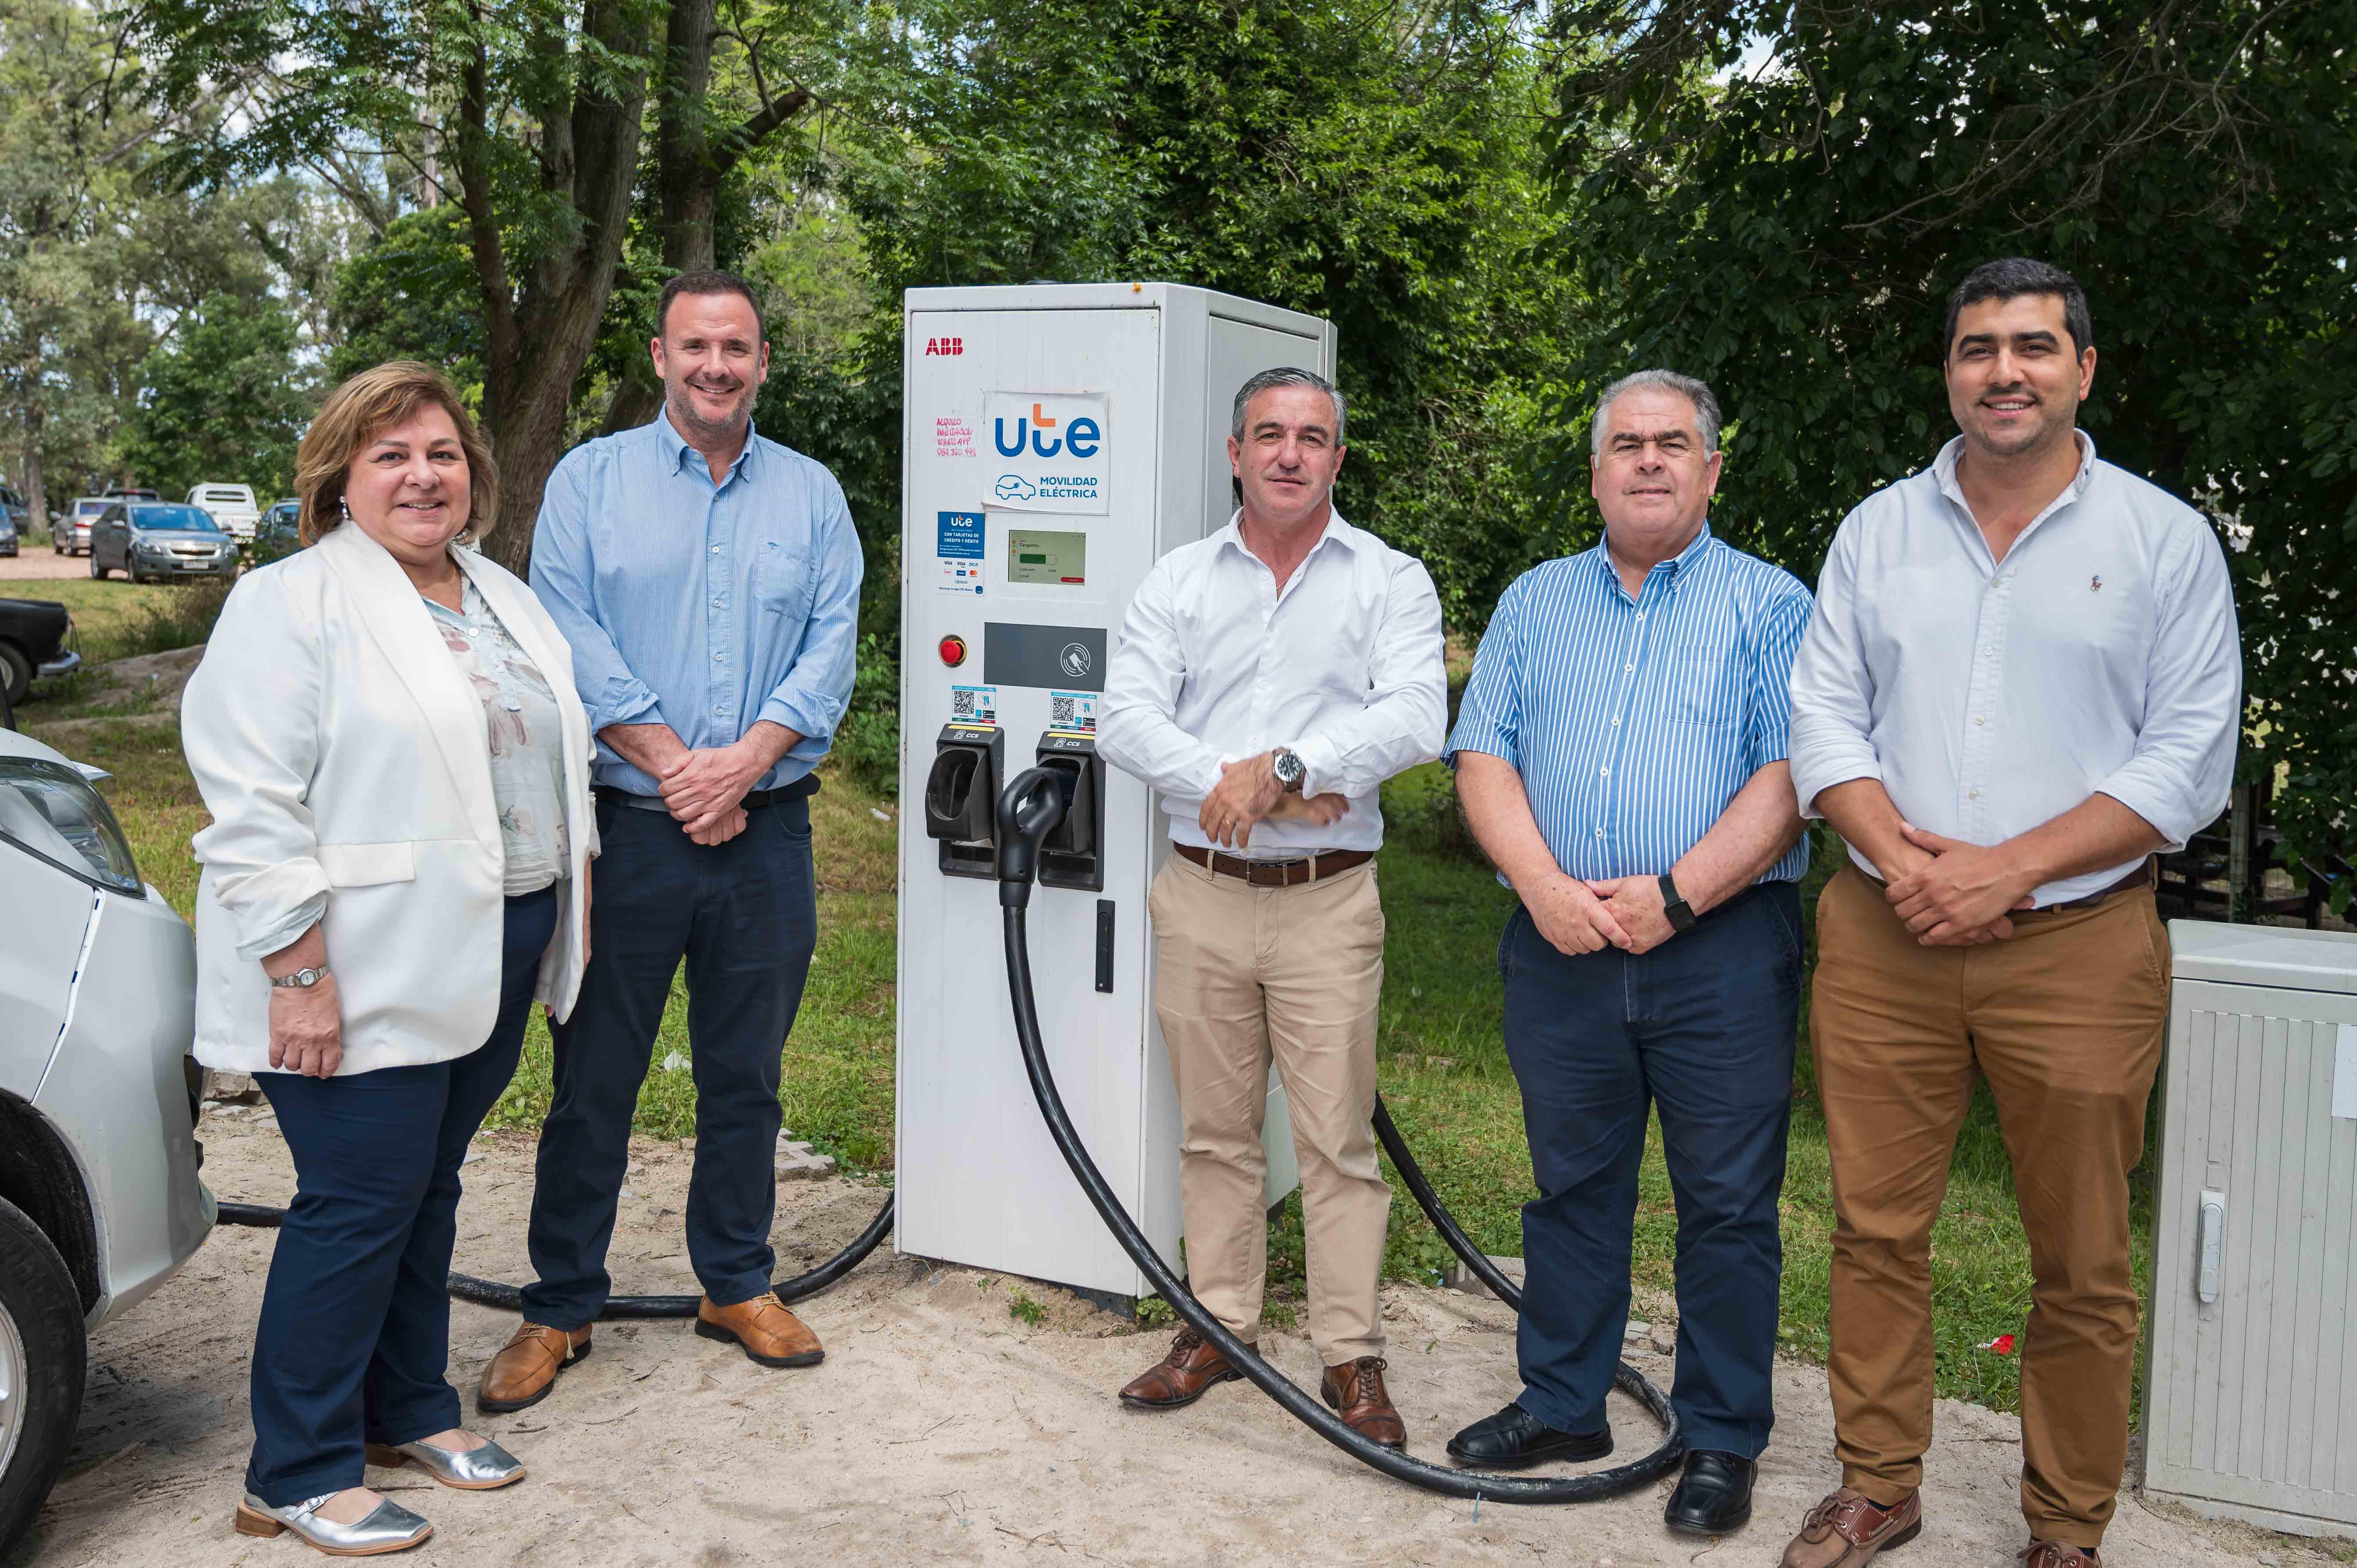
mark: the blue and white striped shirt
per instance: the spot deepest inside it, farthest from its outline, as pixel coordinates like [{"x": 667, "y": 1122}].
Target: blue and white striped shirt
[{"x": 1634, "y": 722}]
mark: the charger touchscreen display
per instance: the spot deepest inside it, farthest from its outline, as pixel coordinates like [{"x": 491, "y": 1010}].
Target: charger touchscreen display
[{"x": 1036, "y": 555}]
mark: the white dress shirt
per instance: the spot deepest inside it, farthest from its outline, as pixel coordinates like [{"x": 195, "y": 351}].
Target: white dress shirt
[
  {"x": 2099, "y": 657},
  {"x": 1344, "y": 666}
]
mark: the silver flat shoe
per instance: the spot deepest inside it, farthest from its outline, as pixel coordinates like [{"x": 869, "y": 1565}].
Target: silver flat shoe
[
  {"x": 388, "y": 1527},
  {"x": 475, "y": 1470}
]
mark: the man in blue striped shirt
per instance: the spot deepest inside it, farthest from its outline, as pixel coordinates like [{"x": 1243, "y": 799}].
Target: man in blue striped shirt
[{"x": 1621, "y": 755}]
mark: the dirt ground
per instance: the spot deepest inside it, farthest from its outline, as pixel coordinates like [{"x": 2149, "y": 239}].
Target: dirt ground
[
  {"x": 940, "y": 1428},
  {"x": 34, "y": 563}
]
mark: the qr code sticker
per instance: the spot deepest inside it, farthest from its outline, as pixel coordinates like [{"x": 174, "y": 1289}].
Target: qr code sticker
[
  {"x": 962, "y": 703},
  {"x": 974, "y": 705},
  {"x": 1061, "y": 712}
]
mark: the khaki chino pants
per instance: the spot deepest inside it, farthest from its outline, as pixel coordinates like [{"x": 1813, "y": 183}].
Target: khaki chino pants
[
  {"x": 2066, "y": 1021},
  {"x": 1243, "y": 975}
]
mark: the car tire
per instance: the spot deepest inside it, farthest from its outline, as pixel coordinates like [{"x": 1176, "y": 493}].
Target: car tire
[
  {"x": 97, "y": 572},
  {"x": 16, "y": 671},
  {"x": 43, "y": 1356}
]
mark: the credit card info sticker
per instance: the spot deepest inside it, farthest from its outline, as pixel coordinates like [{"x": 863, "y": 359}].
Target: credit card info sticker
[
  {"x": 1074, "y": 713},
  {"x": 975, "y": 705},
  {"x": 957, "y": 553}
]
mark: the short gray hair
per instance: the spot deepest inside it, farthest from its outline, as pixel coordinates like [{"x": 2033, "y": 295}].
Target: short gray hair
[
  {"x": 1696, "y": 392},
  {"x": 1287, "y": 376}
]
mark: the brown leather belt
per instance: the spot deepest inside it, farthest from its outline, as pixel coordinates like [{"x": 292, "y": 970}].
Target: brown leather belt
[
  {"x": 2136, "y": 878},
  {"x": 1277, "y": 872}
]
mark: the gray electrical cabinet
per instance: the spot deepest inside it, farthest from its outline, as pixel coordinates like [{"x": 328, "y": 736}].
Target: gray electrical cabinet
[{"x": 2251, "y": 1391}]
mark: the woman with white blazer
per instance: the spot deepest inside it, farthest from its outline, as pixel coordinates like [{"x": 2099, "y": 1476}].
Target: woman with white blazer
[{"x": 385, "y": 730}]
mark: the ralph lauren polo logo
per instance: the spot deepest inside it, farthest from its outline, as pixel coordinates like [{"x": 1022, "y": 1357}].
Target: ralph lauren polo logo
[{"x": 2094, "y": 584}]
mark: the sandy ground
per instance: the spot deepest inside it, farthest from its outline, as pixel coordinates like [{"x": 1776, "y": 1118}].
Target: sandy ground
[
  {"x": 939, "y": 1428},
  {"x": 36, "y": 562}
]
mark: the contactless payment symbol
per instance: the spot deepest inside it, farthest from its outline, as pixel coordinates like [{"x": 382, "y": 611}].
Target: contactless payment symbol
[{"x": 1075, "y": 659}]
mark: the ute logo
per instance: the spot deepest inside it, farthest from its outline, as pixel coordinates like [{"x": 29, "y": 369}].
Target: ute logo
[
  {"x": 1054, "y": 451},
  {"x": 944, "y": 345},
  {"x": 1080, "y": 436}
]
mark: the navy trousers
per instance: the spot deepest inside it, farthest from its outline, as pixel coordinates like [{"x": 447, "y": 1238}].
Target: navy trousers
[
  {"x": 1703, "y": 1027},
  {"x": 744, "y": 916},
  {"x": 355, "y": 1330}
]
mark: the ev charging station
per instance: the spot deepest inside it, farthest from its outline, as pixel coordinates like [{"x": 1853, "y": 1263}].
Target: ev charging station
[{"x": 1058, "y": 439}]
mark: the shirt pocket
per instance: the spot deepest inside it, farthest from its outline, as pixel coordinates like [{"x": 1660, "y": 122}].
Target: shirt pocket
[
  {"x": 1701, "y": 691},
  {"x": 784, "y": 584}
]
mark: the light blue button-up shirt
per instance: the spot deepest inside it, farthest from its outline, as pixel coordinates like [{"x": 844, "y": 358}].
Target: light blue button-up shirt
[
  {"x": 706, "y": 608},
  {"x": 1634, "y": 722}
]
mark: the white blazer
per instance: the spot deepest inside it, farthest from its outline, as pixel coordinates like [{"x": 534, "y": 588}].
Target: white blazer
[{"x": 341, "y": 752}]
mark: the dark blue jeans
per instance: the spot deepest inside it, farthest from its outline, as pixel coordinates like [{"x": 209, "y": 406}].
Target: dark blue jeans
[
  {"x": 744, "y": 916},
  {"x": 1703, "y": 1027},
  {"x": 355, "y": 1330}
]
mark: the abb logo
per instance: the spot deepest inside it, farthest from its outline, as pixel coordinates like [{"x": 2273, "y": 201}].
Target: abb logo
[{"x": 944, "y": 345}]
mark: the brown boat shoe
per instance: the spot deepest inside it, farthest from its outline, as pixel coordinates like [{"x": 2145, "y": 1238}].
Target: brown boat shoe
[
  {"x": 763, "y": 1328},
  {"x": 1848, "y": 1529},
  {"x": 525, "y": 1369},
  {"x": 1356, "y": 1389},
  {"x": 2057, "y": 1554},
  {"x": 1190, "y": 1370}
]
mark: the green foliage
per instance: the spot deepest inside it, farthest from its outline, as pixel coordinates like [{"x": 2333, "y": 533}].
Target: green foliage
[
  {"x": 403, "y": 298},
  {"x": 1153, "y": 1312},
  {"x": 868, "y": 739},
  {"x": 1026, "y": 1311},
  {"x": 1778, "y": 199},
  {"x": 225, "y": 400}
]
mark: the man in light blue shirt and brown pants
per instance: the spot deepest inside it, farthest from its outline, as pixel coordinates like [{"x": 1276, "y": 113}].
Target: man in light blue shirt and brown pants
[
  {"x": 708, "y": 582},
  {"x": 1621, "y": 755}
]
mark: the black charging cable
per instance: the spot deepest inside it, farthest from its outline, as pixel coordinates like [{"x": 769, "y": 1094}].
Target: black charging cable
[
  {"x": 1028, "y": 810},
  {"x": 509, "y": 1298}
]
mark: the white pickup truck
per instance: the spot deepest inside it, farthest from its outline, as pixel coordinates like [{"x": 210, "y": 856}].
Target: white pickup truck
[{"x": 232, "y": 506}]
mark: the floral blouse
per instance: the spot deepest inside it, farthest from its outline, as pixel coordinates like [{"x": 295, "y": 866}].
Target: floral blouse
[{"x": 527, "y": 741}]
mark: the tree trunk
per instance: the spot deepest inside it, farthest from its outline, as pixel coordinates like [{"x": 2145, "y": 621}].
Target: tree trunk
[
  {"x": 690, "y": 166},
  {"x": 541, "y": 335},
  {"x": 37, "y": 501}
]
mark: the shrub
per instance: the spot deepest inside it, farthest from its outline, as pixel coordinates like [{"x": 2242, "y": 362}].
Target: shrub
[{"x": 868, "y": 738}]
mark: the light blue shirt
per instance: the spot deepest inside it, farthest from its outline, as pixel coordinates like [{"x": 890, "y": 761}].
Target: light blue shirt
[
  {"x": 707, "y": 607},
  {"x": 1634, "y": 721}
]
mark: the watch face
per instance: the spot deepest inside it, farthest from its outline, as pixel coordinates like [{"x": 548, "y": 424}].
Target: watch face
[{"x": 1290, "y": 768}]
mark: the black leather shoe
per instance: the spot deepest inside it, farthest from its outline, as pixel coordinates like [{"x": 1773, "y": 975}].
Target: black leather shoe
[
  {"x": 1714, "y": 1497},
  {"x": 1514, "y": 1437}
]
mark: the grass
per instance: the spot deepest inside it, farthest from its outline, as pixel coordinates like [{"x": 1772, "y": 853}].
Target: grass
[
  {"x": 1442, "y": 1066},
  {"x": 115, "y": 619}
]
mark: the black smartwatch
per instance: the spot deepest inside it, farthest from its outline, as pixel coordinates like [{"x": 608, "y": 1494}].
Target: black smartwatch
[{"x": 1674, "y": 905}]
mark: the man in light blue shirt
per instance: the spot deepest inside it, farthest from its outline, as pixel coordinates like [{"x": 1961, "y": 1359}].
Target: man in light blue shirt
[
  {"x": 1621, "y": 755},
  {"x": 708, "y": 582}
]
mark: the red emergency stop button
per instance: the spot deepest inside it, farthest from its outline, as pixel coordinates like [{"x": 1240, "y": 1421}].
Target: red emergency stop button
[{"x": 953, "y": 650}]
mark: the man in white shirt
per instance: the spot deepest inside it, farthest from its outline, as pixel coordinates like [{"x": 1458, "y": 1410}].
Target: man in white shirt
[
  {"x": 1269, "y": 678},
  {"x": 2021, "y": 680}
]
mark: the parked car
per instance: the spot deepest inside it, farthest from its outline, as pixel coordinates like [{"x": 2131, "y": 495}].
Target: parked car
[
  {"x": 282, "y": 519},
  {"x": 233, "y": 506},
  {"x": 16, "y": 520},
  {"x": 100, "y": 1198},
  {"x": 36, "y": 639},
  {"x": 7, "y": 534},
  {"x": 158, "y": 540},
  {"x": 70, "y": 535}
]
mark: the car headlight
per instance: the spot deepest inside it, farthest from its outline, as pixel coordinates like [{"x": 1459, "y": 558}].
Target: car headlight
[{"x": 51, "y": 811}]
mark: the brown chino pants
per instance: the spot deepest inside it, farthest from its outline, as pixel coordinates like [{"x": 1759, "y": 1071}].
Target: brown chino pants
[
  {"x": 1243, "y": 974},
  {"x": 2066, "y": 1021}
]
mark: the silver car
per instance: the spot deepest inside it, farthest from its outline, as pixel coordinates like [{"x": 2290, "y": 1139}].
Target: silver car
[
  {"x": 148, "y": 540},
  {"x": 99, "y": 1200}
]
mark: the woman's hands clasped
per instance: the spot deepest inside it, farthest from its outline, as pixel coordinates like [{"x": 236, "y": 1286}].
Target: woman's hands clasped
[{"x": 307, "y": 1029}]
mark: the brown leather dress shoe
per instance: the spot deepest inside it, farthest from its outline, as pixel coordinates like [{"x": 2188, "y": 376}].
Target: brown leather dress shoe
[
  {"x": 1188, "y": 1372},
  {"x": 1849, "y": 1528},
  {"x": 765, "y": 1330},
  {"x": 525, "y": 1371},
  {"x": 2056, "y": 1554},
  {"x": 1356, "y": 1389}
]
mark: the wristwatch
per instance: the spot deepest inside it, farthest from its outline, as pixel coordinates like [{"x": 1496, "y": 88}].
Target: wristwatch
[
  {"x": 1674, "y": 905},
  {"x": 302, "y": 978},
  {"x": 1289, "y": 768}
]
